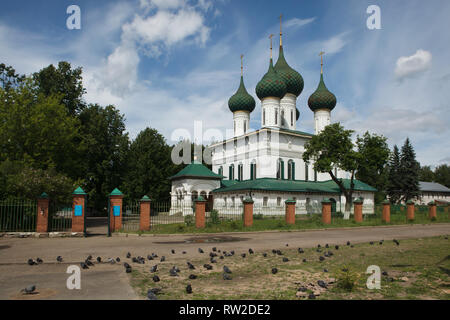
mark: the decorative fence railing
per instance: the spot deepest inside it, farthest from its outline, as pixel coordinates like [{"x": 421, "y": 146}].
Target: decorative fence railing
[
  {"x": 131, "y": 216},
  {"x": 18, "y": 215},
  {"x": 59, "y": 217}
]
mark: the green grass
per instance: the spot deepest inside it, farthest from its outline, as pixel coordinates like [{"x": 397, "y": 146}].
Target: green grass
[
  {"x": 301, "y": 223},
  {"x": 424, "y": 262}
]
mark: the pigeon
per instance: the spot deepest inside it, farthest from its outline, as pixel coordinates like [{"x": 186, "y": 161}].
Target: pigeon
[
  {"x": 184, "y": 252},
  {"x": 371, "y": 243},
  {"x": 251, "y": 251},
  {"x": 89, "y": 257},
  {"x": 149, "y": 257},
  {"x": 126, "y": 265},
  {"x": 173, "y": 272},
  {"x": 264, "y": 255},
  {"x": 31, "y": 262},
  {"x": 352, "y": 246},
  {"x": 221, "y": 257},
  {"x": 39, "y": 260},
  {"x": 207, "y": 266},
  {"x": 336, "y": 247},
  {"x": 279, "y": 253},
  {"x": 287, "y": 244},
  {"x": 128, "y": 270},
  {"x": 326, "y": 254},
  {"x": 318, "y": 250},
  {"x": 155, "y": 290},
  {"x": 322, "y": 284},
  {"x": 321, "y": 258},
  {"x": 154, "y": 255},
  {"x": 192, "y": 276},
  {"x": 274, "y": 251},
  {"x": 59, "y": 259},
  {"x": 212, "y": 260},
  {"x": 325, "y": 270},
  {"x": 218, "y": 251},
  {"x": 243, "y": 255},
  {"x": 311, "y": 296},
  {"x": 173, "y": 251},
  {"x": 151, "y": 295},
  {"x": 318, "y": 246},
  {"x": 117, "y": 259},
  {"x": 232, "y": 252},
  {"x": 189, "y": 289},
  {"x": 29, "y": 289},
  {"x": 300, "y": 250},
  {"x": 111, "y": 261},
  {"x": 227, "y": 277},
  {"x": 327, "y": 246},
  {"x": 135, "y": 260},
  {"x": 212, "y": 254},
  {"x": 154, "y": 268},
  {"x": 214, "y": 249},
  {"x": 396, "y": 242},
  {"x": 190, "y": 265},
  {"x": 201, "y": 250},
  {"x": 128, "y": 255},
  {"x": 274, "y": 270},
  {"x": 99, "y": 260},
  {"x": 302, "y": 289},
  {"x": 381, "y": 242},
  {"x": 226, "y": 269},
  {"x": 163, "y": 258},
  {"x": 89, "y": 263},
  {"x": 304, "y": 260},
  {"x": 285, "y": 259},
  {"x": 330, "y": 253},
  {"x": 384, "y": 273},
  {"x": 155, "y": 278},
  {"x": 176, "y": 268},
  {"x": 348, "y": 243},
  {"x": 83, "y": 265}
]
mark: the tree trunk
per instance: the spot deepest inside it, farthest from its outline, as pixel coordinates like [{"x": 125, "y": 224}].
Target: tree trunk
[{"x": 348, "y": 206}]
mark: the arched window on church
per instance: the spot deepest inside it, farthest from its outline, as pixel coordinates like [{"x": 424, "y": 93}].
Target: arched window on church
[
  {"x": 276, "y": 116},
  {"x": 240, "y": 172},
  {"x": 291, "y": 170},
  {"x": 282, "y": 117},
  {"x": 264, "y": 117},
  {"x": 315, "y": 175},
  {"x": 253, "y": 170},
  {"x": 221, "y": 170},
  {"x": 292, "y": 118},
  {"x": 231, "y": 172},
  {"x": 245, "y": 126},
  {"x": 306, "y": 172},
  {"x": 280, "y": 169}
]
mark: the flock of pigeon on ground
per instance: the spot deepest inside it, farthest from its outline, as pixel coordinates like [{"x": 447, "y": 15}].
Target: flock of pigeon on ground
[{"x": 151, "y": 295}]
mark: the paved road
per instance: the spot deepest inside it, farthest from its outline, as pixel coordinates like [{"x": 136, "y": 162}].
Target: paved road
[{"x": 110, "y": 282}]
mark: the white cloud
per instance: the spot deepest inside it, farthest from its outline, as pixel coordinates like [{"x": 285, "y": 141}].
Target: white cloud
[
  {"x": 417, "y": 63},
  {"x": 297, "y": 23}
]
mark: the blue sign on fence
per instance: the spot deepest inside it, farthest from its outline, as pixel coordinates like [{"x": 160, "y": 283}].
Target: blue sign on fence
[
  {"x": 78, "y": 211},
  {"x": 116, "y": 211}
]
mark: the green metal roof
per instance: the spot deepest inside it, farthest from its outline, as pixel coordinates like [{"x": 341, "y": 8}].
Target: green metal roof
[
  {"x": 116, "y": 192},
  {"x": 196, "y": 170},
  {"x": 145, "y": 198},
  {"x": 241, "y": 100},
  {"x": 271, "y": 184},
  {"x": 79, "y": 191},
  {"x": 293, "y": 79},
  {"x": 322, "y": 98},
  {"x": 296, "y": 132},
  {"x": 271, "y": 85}
]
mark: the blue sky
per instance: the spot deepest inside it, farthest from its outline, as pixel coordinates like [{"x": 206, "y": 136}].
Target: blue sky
[{"x": 167, "y": 63}]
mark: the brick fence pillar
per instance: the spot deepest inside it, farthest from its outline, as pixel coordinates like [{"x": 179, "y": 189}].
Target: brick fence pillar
[
  {"x": 432, "y": 210},
  {"x": 357, "y": 206},
  {"x": 200, "y": 206},
  {"x": 326, "y": 211},
  {"x": 42, "y": 213},
  {"x": 144, "y": 223},
  {"x": 248, "y": 212},
  {"x": 290, "y": 211},
  {"x": 115, "y": 203},
  {"x": 78, "y": 210},
  {"x": 386, "y": 215},
  {"x": 410, "y": 210}
]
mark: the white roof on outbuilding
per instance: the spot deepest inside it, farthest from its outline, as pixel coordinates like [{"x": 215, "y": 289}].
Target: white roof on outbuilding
[{"x": 433, "y": 187}]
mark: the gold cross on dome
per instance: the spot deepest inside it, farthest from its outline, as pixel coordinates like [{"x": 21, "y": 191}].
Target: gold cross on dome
[
  {"x": 270, "y": 37},
  {"x": 281, "y": 32},
  {"x": 321, "y": 61},
  {"x": 242, "y": 64}
]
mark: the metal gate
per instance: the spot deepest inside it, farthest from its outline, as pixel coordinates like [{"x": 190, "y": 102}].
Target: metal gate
[
  {"x": 131, "y": 216},
  {"x": 59, "y": 217}
]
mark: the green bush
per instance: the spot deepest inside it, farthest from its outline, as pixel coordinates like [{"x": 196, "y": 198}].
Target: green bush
[
  {"x": 189, "y": 220},
  {"x": 346, "y": 279},
  {"x": 214, "y": 217},
  {"x": 258, "y": 216}
]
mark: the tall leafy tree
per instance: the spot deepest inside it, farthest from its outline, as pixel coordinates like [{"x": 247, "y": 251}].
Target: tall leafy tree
[
  {"x": 426, "y": 174},
  {"x": 442, "y": 175},
  {"x": 394, "y": 184},
  {"x": 149, "y": 166},
  {"x": 409, "y": 172},
  {"x": 374, "y": 155},
  {"x": 65, "y": 82},
  {"x": 9, "y": 78},
  {"x": 331, "y": 148},
  {"x": 107, "y": 143}
]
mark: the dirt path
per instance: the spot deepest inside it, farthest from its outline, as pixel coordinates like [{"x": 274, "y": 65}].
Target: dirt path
[{"x": 107, "y": 281}]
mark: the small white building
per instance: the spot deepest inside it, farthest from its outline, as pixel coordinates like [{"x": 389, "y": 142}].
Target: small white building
[{"x": 432, "y": 191}]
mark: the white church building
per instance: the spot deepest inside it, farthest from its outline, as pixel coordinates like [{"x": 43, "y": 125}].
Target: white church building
[{"x": 267, "y": 164}]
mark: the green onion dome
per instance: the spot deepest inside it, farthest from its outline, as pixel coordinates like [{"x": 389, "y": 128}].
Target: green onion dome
[
  {"x": 297, "y": 113},
  {"x": 241, "y": 100},
  {"x": 322, "y": 98},
  {"x": 293, "y": 79},
  {"x": 271, "y": 85}
]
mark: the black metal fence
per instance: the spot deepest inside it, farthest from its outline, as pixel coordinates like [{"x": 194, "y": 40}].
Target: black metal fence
[
  {"x": 131, "y": 216},
  {"x": 59, "y": 217},
  {"x": 18, "y": 215}
]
